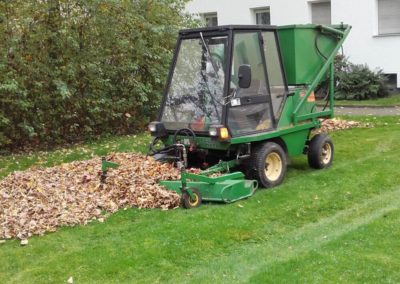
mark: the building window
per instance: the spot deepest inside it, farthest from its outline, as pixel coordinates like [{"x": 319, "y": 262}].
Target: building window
[
  {"x": 321, "y": 13},
  {"x": 388, "y": 16},
  {"x": 263, "y": 16},
  {"x": 210, "y": 19},
  {"x": 392, "y": 82}
]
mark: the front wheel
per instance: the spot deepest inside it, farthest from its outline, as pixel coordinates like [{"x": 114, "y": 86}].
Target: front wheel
[
  {"x": 320, "y": 152},
  {"x": 269, "y": 163},
  {"x": 191, "y": 202}
]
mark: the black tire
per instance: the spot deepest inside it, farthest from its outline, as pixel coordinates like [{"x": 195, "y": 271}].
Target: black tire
[
  {"x": 269, "y": 177},
  {"x": 188, "y": 203},
  {"x": 320, "y": 152}
]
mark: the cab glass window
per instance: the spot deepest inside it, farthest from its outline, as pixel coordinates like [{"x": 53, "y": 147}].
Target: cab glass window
[
  {"x": 195, "y": 97},
  {"x": 249, "y": 109},
  {"x": 274, "y": 69}
]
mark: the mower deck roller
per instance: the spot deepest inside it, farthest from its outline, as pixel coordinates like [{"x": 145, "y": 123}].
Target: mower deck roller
[{"x": 242, "y": 98}]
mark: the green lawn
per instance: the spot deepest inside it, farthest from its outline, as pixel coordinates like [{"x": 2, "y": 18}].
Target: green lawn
[
  {"x": 393, "y": 100},
  {"x": 339, "y": 225}
]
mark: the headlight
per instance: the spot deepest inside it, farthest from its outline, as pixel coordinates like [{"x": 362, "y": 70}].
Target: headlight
[
  {"x": 224, "y": 133},
  {"x": 157, "y": 129},
  {"x": 152, "y": 127},
  {"x": 219, "y": 131},
  {"x": 213, "y": 131}
]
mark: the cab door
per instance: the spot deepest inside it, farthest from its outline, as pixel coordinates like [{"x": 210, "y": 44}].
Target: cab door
[
  {"x": 276, "y": 79},
  {"x": 249, "y": 109}
]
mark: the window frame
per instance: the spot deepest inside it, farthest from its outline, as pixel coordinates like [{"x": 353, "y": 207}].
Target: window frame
[
  {"x": 210, "y": 15},
  {"x": 183, "y": 40},
  {"x": 262, "y": 10},
  {"x": 283, "y": 74},
  {"x": 268, "y": 95},
  {"x": 311, "y": 3},
  {"x": 383, "y": 34},
  {"x": 182, "y": 37}
]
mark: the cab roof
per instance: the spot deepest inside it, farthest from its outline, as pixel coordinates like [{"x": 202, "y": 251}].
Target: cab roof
[{"x": 228, "y": 27}]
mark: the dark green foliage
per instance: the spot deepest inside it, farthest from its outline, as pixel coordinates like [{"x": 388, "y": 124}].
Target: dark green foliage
[
  {"x": 71, "y": 70},
  {"x": 358, "y": 82}
]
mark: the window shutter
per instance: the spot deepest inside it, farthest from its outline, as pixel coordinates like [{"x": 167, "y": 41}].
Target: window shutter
[
  {"x": 388, "y": 16},
  {"x": 321, "y": 13}
]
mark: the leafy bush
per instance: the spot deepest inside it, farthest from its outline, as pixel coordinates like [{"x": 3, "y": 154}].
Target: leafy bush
[
  {"x": 358, "y": 82},
  {"x": 71, "y": 70}
]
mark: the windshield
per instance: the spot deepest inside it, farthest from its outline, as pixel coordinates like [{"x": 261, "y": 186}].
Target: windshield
[{"x": 195, "y": 97}]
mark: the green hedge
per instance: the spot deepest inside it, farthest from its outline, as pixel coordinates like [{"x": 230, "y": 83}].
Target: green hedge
[{"x": 72, "y": 70}]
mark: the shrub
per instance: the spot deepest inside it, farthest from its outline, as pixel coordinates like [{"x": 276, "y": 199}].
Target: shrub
[
  {"x": 355, "y": 82},
  {"x": 358, "y": 82},
  {"x": 71, "y": 70}
]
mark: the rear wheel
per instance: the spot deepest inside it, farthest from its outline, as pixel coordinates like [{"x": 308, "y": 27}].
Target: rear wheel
[
  {"x": 269, "y": 164},
  {"x": 320, "y": 151},
  {"x": 191, "y": 202}
]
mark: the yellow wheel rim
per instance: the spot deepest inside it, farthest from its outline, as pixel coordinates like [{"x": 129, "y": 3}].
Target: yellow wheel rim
[
  {"x": 273, "y": 166},
  {"x": 194, "y": 202},
  {"x": 326, "y": 154}
]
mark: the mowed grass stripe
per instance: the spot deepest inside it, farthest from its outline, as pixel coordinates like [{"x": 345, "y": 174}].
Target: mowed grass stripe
[
  {"x": 251, "y": 259},
  {"x": 376, "y": 157},
  {"x": 368, "y": 254}
]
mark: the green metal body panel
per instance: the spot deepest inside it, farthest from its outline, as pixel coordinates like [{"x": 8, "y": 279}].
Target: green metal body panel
[
  {"x": 227, "y": 190},
  {"x": 273, "y": 134},
  {"x": 341, "y": 32},
  {"x": 213, "y": 180},
  {"x": 201, "y": 142},
  {"x": 286, "y": 119},
  {"x": 296, "y": 141},
  {"x": 220, "y": 167},
  {"x": 295, "y": 137},
  {"x": 292, "y": 101},
  {"x": 298, "y": 44},
  {"x": 224, "y": 188}
]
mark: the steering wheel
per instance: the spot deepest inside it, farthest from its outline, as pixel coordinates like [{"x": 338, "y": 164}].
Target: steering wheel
[{"x": 186, "y": 131}]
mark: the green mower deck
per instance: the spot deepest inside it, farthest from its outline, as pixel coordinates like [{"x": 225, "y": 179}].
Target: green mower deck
[{"x": 226, "y": 188}]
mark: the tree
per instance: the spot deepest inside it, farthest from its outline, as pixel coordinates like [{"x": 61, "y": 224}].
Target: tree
[{"x": 71, "y": 70}]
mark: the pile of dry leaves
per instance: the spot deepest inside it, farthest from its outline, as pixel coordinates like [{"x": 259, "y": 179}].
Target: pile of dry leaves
[
  {"x": 40, "y": 200},
  {"x": 334, "y": 124}
]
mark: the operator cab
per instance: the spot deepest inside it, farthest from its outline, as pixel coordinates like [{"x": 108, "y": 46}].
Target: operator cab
[{"x": 227, "y": 77}]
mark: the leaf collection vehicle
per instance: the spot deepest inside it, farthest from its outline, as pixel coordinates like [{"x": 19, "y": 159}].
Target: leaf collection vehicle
[{"x": 239, "y": 102}]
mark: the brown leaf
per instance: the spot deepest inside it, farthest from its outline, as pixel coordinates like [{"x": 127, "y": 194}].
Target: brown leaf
[
  {"x": 40, "y": 200},
  {"x": 334, "y": 124}
]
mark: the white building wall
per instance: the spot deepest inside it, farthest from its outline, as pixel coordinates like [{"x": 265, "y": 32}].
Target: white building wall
[
  {"x": 239, "y": 11},
  {"x": 363, "y": 46}
]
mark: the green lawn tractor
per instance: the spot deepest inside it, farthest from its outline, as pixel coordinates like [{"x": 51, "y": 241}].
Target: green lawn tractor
[{"x": 240, "y": 102}]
